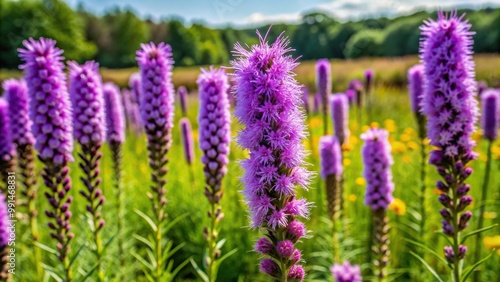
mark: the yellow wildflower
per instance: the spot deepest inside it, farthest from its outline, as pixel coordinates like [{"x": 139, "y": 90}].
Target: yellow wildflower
[
  {"x": 398, "y": 147},
  {"x": 346, "y": 162},
  {"x": 489, "y": 215},
  {"x": 405, "y": 137},
  {"x": 315, "y": 122},
  {"x": 360, "y": 181},
  {"x": 374, "y": 124},
  {"x": 406, "y": 159},
  {"x": 365, "y": 128},
  {"x": 409, "y": 130},
  {"x": 390, "y": 125},
  {"x": 492, "y": 242},
  {"x": 412, "y": 146},
  {"x": 398, "y": 206},
  {"x": 352, "y": 198}
]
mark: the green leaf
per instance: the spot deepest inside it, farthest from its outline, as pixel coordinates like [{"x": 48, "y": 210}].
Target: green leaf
[
  {"x": 75, "y": 255},
  {"x": 429, "y": 250},
  {"x": 143, "y": 261},
  {"x": 228, "y": 254},
  {"x": 444, "y": 236},
  {"x": 89, "y": 273},
  {"x": 199, "y": 271},
  {"x": 46, "y": 248},
  {"x": 219, "y": 244},
  {"x": 427, "y": 266},
  {"x": 51, "y": 271},
  {"x": 475, "y": 232},
  {"x": 175, "y": 221},
  {"x": 144, "y": 240},
  {"x": 472, "y": 267},
  {"x": 147, "y": 219},
  {"x": 179, "y": 268},
  {"x": 173, "y": 251}
]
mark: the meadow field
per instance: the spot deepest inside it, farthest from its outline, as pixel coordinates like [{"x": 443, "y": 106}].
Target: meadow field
[{"x": 186, "y": 202}]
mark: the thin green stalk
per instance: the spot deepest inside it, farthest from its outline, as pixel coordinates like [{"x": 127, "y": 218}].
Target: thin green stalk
[
  {"x": 117, "y": 169},
  {"x": 482, "y": 207},
  {"x": 211, "y": 244},
  {"x": 457, "y": 269},
  {"x": 423, "y": 163}
]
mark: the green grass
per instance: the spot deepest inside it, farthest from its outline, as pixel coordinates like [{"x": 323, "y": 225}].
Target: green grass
[{"x": 186, "y": 197}]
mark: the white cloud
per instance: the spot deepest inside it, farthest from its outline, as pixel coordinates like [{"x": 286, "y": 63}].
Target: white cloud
[{"x": 259, "y": 18}]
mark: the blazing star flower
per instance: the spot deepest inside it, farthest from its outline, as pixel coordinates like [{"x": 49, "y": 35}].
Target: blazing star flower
[
  {"x": 183, "y": 93},
  {"x": 16, "y": 93},
  {"x": 330, "y": 156},
  {"x": 7, "y": 151},
  {"x": 416, "y": 87},
  {"x": 324, "y": 87},
  {"x": 490, "y": 118},
  {"x": 346, "y": 272},
  {"x": 340, "y": 116},
  {"x": 451, "y": 108},
  {"x": 50, "y": 111},
  {"x": 115, "y": 118},
  {"x": 369, "y": 80},
  {"x": 187, "y": 140},
  {"x": 356, "y": 86},
  {"x": 268, "y": 105},
  {"x": 135, "y": 84}
]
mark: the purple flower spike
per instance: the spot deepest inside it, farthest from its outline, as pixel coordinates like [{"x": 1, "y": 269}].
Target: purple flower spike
[
  {"x": 157, "y": 111},
  {"x": 115, "y": 117},
  {"x": 86, "y": 94},
  {"x": 7, "y": 151},
  {"x": 268, "y": 105},
  {"x": 305, "y": 99},
  {"x": 50, "y": 111},
  {"x": 316, "y": 103},
  {"x": 88, "y": 103},
  {"x": 135, "y": 84},
  {"x": 490, "y": 118},
  {"x": 16, "y": 93},
  {"x": 330, "y": 156},
  {"x": 214, "y": 122},
  {"x": 187, "y": 140},
  {"x": 346, "y": 272},
  {"x": 340, "y": 115},
  {"x": 377, "y": 161},
  {"x": 356, "y": 86},
  {"x": 416, "y": 87},
  {"x": 183, "y": 94},
  {"x": 481, "y": 86},
  {"x": 324, "y": 87},
  {"x": 369, "y": 75},
  {"x": 450, "y": 105}
]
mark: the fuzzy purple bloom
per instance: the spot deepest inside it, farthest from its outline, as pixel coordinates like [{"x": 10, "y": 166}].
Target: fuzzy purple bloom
[
  {"x": 268, "y": 266},
  {"x": 481, "y": 86},
  {"x": 340, "y": 115},
  {"x": 50, "y": 108},
  {"x": 115, "y": 118},
  {"x": 356, "y": 86},
  {"x": 285, "y": 248},
  {"x": 183, "y": 94},
  {"x": 268, "y": 105},
  {"x": 330, "y": 156},
  {"x": 214, "y": 121},
  {"x": 157, "y": 94},
  {"x": 351, "y": 96},
  {"x": 132, "y": 112},
  {"x": 16, "y": 93},
  {"x": 416, "y": 87},
  {"x": 135, "y": 84},
  {"x": 7, "y": 151},
  {"x": 377, "y": 160},
  {"x": 296, "y": 273},
  {"x": 187, "y": 140},
  {"x": 323, "y": 78},
  {"x": 346, "y": 272},
  {"x": 490, "y": 118},
  {"x": 264, "y": 246},
  {"x": 85, "y": 88}
]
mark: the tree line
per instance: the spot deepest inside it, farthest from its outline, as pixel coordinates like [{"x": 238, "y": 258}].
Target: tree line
[{"x": 113, "y": 38}]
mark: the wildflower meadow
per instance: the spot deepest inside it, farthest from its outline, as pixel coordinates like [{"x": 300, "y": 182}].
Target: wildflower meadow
[{"x": 263, "y": 168}]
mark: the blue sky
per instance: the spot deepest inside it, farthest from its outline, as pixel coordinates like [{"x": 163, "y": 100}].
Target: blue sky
[{"x": 252, "y": 12}]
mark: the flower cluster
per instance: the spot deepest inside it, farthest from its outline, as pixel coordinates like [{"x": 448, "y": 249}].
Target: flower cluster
[
  {"x": 490, "y": 118},
  {"x": 7, "y": 151},
  {"x": 324, "y": 87},
  {"x": 330, "y": 156},
  {"x": 369, "y": 74},
  {"x": 187, "y": 140},
  {"x": 115, "y": 118},
  {"x": 16, "y": 93},
  {"x": 346, "y": 272},
  {"x": 268, "y": 105},
  {"x": 340, "y": 116},
  {"x": 416, "y": 87}
]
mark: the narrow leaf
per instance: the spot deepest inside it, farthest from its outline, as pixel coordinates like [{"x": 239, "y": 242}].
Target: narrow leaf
[
  {"x": 199, "y": 271},
  {"x": 143, "y": 261},
  {"x": 147, "y": 219},
  {"x": 144, "y": 240},
  {"x": 429, "y": 250},
  {"x": 475, "y": 232},
  {"x": 471, "y": 269},
  {"x": 175, "y": 221},
  {"x": 427, "y": 266},
  {"x": 46, "y": 248}
]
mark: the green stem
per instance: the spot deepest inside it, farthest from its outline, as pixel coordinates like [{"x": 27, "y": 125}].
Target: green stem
[
  {"x": 423, "y": 162},
  {"x": 456, "y": 234},
  {"x": 482, "y": 207},
  {"x": 212, "y": 244},
  {"x": 116, "y": 154}
]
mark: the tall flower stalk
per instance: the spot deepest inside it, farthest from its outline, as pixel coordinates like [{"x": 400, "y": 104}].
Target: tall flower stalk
[
  {"x": 377, "y": 161},
  {"x": 451, "y": 109},
  {"x": 5, "y": 227},
  {"x": 183, "y": 94},
  {"x": 187, "y": 140},
  {"x": 369, "y": 83},
  {"x": 331, "y": 172},
  {"x": 157, "y": 111},
  {"x": 50, "y": 111},
  {"x": 490, "y": 120},
  {"x": 215, "y": 136},
  {"x": 324, "y": 88},
  {"x": 7, "y": 151},
  {"x": 115, "y": 136},
  {"x": 416, "y": 82},
  {"x": 85, "y": 88},
  {"x": 268, "y": 105},
  {"x": 16, "y": 93}
]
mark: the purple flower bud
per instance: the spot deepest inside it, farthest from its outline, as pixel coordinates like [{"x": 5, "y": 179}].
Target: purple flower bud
[
  {"x": 442, "y": 187},
  {"x": 490, "y": 116},
  {"x": 464, "y": 220},
  {"x": 346, "y": 272},
  {"x": 4, "y": 222},
  {"x": 461, "y": 251},
  {"x": 157, "y": 93},
  {"x": 351, "y": 96},
  {"x": 284, "y": 248},
  {"x": 436, "y": 158},
  {"x": 263, "y": 246},
  {"x": 7, "y": 151},
  {"x": 330, "y": 156},
  {"x": 296, "y": 273},
  {"x": 445, "y": 200},
  {"x": 296, "y": 256},
  {"x": 377, "y": 160},
  {"x": 449, "y": 254},
  {"x": 85, "y": 87},
  {"x": 416, "y": 82},
  {"x": 296, "y": 230},
  {"x": 16, "y": 93},
  {"x": 445, "y": 214},
  {"x": 187, "y": 140},
  {"x": 268, "y": 266},
  {"x": 356, "y": 93},
  {"x": 450, "y": 88},
  {"x": 464, "y": 202},
  {"x": 50, "y": 108},
  {"x": 183, "y": 93},
  {"x": 447, "y": 228},
  {"x": 323, "y": 79},
  {"x": 115, "y": 117},
  {"x": 463, "y": 190},
  {"x": 466, "y": 172},
  {"x": 135, "y": 84},
  {"x": 340, "y": 116}
]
